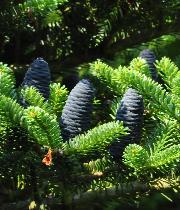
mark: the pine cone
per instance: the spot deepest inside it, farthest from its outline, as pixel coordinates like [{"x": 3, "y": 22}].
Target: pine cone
[
  {"x": 150, "y": 58},
  {"x": 38, "y": 76},
  {"x": 76, "y": 115},
  {"x": 131, "y": 113}
]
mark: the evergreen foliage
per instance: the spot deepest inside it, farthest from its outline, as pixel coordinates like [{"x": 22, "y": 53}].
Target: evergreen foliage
[
  {"x": 58, "y": 97},
  {"x": 79, "y": 159},
  {"x": 11, "y": 110},
  {"x": 7, "y": 81},
  {"x": 138, "y": 158},
  {"x": 96, "y": 141},
  {"x": 34, "y": 98},
  {"x": 119, "y": 79},
  {"x": 171, "y": 74},
  {"x": 164, "y": 137},
  {"x": 101, "y": 164},
  {"x": 44, "y": 27},
  {"x": 42, "y": 126},
  {"x": 140, "y": 65}
]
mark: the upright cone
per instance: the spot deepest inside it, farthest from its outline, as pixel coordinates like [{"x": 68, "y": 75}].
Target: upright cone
[
  {"x": 150, "y": 58},
  {"x": 38, "y": 76},
  {"x": 76, "y": 115},
  {"x": 131, "y": 113}
]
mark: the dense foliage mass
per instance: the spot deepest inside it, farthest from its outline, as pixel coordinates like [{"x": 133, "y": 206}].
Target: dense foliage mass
[
  {"x": 50, "y": 152},
  {"x": 56, "y": 29}
]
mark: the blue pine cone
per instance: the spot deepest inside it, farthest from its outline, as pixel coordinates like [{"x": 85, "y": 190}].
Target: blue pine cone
[
  {"x": 76, "y": 114},
  {"x": 150, "y": 58},
  {"x": 38, "y": 76},
  {"x": 130, "y": 111}
]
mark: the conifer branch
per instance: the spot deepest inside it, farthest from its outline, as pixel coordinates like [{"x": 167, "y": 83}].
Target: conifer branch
[
  {"x": 7, "y": 81},
  {"x": 105, "y": 28},
  {"x": 120, "y": 78},
  {"x": 165, "y": 136},
  {"x": 166, "y": 157},
  {"x": 57, "y": 98},
  {"x": 138, "y": 158},
  {"x": 79, "y": 154},
  {"x": 115, "y": 107},
  {"x": 139, "y": 64},
  {"x": 34, "y": 98},
  {"x": 95, "y": 142},
  {"x": 89, "y": 197},
  {"x": 171, "y": 75},
  {"x": 107, "y": 76},
  {"x": 11, "y": 110},
  {"x": 99, "y": 165},
  {"x": 127, "y": 188},
  {"x": 157, "y": 96},
  {"x": 43, "y": 127}
]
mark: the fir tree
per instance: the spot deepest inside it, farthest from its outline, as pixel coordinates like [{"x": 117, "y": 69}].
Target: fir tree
[{"x": 77, "y": 156}]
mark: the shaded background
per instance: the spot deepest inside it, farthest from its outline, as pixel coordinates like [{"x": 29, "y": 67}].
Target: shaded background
[{"x": 68, "y": 33}]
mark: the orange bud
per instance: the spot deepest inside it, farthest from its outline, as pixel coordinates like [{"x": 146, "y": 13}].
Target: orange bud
[{"x": 47, "y": 160}]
